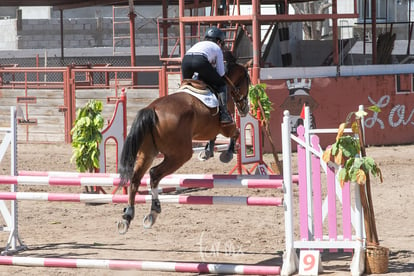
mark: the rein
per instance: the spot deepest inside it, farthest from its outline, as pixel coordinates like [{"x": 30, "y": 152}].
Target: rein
[
  {"x": 230, "y": 82},
  {"x": 235, "y": 89}
]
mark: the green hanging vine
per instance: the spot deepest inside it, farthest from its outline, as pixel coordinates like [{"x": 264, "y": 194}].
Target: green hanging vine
[{"x": 259, "y": 101}]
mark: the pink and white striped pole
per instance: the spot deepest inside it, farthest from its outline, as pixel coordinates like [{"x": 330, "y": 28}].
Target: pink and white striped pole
[
  {"x": 171, "y": 176},
  {"x": 188, "y": 267},
  {"x": 140, "y": 199},
  {"x": 184, "y": 181}
]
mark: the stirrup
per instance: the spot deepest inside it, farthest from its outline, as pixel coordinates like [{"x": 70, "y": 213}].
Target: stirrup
[{"x": 225, "y": 118}]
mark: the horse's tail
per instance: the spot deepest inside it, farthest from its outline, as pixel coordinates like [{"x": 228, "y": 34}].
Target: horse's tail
[{"x": 143, "y": 124}]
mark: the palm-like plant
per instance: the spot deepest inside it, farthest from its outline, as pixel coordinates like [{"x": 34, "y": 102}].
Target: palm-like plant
[{"x": 349, "y": 153}]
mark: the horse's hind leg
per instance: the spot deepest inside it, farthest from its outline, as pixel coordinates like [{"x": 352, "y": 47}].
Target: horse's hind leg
[
  {"x": 143, "y": 162},
  {"x": 168, "y": 166},
  {"x": 150, "y": 219}
]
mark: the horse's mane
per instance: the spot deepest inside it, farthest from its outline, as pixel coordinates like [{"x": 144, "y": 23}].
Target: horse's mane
[
  {"x": 229, "y": 57},
  {"x": 232, "y": 61}
]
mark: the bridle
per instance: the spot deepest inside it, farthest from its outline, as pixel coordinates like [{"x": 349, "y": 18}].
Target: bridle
[{"x": 237, "y": 96}]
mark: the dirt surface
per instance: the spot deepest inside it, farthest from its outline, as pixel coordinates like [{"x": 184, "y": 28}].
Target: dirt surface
[{"x": 225, "y": 234}]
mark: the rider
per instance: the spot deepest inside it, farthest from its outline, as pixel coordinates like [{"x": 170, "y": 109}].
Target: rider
[{"x": 205, "y": 58}]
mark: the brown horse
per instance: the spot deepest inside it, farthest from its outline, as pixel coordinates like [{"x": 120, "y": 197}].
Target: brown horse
[{"x": 169, "y": 125}]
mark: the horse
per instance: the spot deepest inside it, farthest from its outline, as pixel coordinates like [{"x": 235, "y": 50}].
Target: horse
[{"x": 168, "y": 126}]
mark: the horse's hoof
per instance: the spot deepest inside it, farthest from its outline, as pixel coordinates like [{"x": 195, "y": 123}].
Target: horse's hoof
[
  {"x": 123, "y": 226},
  {"x": 226, "y": 157},
  {"x": 150, "y": 219},
  {"x": 204, "y": 155}
]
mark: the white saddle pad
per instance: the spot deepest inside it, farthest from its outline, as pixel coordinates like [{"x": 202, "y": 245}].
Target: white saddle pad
[{"x": 209, "y": 99}]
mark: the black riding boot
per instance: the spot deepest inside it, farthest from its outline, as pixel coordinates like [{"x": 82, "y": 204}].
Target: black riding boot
[{"x": 225, "y": 117}]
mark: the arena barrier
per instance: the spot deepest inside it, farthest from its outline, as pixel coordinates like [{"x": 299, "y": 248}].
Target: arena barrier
[
  {"x": 343, "y": 229},
  {"x": 142, "y": 265}
]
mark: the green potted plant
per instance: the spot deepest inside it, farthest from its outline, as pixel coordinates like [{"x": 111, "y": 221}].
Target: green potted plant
[{"x": 349, "y": 153}]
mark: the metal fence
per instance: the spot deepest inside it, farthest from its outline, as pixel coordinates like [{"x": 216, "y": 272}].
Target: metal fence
[
  {"x": 76, "y": 62},
  {"x": 49, "y": 96}
]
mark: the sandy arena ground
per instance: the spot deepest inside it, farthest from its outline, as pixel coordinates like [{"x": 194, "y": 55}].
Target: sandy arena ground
[{"x": 250, "y": 235}]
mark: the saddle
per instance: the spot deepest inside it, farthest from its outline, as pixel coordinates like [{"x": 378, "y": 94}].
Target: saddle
[
  {"x": 201, "y": 91},
  {"x": 196, "y": 86}
]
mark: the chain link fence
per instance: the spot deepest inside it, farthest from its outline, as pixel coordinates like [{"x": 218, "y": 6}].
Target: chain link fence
[{"x": 94, "y": 78}]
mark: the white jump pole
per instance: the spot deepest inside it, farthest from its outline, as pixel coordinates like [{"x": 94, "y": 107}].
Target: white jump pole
[{"x": 290, "y": 259}]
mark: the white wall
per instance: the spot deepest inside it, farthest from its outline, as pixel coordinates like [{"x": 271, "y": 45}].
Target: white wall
[
  {"x": 8, "y": 29},
  {"x": 36, "y": 12}
]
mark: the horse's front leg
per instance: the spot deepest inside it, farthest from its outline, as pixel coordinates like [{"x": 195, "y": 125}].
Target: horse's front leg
[
  {"x": 208, "y": 151},
  {"x": 227, "y": 156}
]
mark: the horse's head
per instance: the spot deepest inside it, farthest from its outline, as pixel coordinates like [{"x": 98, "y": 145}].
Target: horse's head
[{"x": 238, "y": 79}]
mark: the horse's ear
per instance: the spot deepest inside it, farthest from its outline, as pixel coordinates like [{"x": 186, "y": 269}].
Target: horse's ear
[{"x": 249, "y": 63}]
